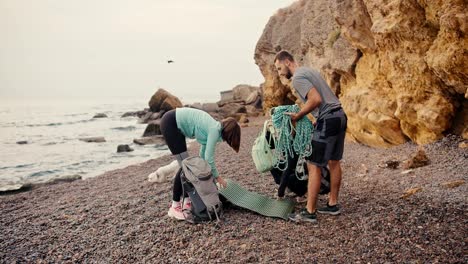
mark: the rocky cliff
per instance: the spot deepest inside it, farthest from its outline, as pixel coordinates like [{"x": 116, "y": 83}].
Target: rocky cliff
[{"x": 400, "y": 68}]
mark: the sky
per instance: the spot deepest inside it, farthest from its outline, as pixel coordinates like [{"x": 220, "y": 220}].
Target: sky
[{"x": 98, "y": 49}]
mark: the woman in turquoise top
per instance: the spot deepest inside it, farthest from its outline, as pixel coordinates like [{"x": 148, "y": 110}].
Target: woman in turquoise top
[{"x": 180, "y": 123}]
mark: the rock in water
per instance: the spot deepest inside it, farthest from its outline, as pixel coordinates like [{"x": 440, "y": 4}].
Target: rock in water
[
  {"x": 152, "y": 129},
  {"x": 93, "y": 139},
  {"x": 124, "y": 148},
  {"x": 155, "y": 140},
  {"x": 100, "y": 115}
]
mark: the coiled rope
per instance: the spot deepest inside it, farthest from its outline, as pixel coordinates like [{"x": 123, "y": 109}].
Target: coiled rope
[{"x": 288, "y": 144}]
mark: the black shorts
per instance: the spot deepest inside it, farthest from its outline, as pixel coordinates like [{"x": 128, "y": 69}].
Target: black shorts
[{"x": 328, "y": 138}]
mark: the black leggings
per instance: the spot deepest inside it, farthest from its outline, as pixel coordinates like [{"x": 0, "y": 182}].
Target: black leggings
[{"x": 175, "y": 141}]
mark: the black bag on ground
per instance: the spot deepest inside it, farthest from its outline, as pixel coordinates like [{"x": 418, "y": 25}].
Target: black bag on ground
[
  {"x": 299, "y": 187},
  {"x": 198, "y": 183}
]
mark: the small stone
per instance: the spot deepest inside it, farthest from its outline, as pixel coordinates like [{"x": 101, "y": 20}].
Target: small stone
[
  {"x": 420, "y": 159},
  {"x": 411, "y": 192},
  {"x": 453, "y": 184}
]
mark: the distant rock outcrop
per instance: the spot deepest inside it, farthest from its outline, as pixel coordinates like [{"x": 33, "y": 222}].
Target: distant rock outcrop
[{"x": 400, "y": 68}]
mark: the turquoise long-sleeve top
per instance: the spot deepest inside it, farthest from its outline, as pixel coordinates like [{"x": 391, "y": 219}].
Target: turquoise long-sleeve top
[{"x": 197, "y": 124}]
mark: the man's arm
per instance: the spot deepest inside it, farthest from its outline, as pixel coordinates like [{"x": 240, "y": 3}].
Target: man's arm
[{"x": 313, "y": 101}]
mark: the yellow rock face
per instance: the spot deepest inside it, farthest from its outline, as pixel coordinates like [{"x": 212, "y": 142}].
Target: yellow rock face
[{"x": 400, "y": 68}]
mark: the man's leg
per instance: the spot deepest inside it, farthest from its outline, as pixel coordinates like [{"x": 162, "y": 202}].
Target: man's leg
[
  {"x": 313, "y": 187},
  {"x": 335, "y": 181},
  {"x": 334, "y": 164}
]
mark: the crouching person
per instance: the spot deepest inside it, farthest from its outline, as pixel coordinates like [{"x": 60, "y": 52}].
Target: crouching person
[{"x": 192, "y": 123}]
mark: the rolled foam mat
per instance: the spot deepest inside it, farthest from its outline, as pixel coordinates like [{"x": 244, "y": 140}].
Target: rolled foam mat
[{"x": 258, "y": 203}]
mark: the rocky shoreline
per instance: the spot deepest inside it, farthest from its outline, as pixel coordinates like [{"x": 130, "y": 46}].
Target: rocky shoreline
[{"x": 121, "y": 217}]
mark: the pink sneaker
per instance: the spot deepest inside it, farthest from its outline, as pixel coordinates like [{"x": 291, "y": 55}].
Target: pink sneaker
[
  {"x": 176, "y": 212},
  {"x": 187, "y": 205}
]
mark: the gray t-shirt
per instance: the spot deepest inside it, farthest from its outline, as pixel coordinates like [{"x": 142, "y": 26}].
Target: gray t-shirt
[{"x": 304, "y": 79}]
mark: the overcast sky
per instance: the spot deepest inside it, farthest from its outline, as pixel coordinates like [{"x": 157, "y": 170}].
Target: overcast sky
[{"x": 114, "y": 48}]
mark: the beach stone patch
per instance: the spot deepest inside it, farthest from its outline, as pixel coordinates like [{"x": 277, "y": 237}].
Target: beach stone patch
[
  {"x": 93, "y": 139},
  {"x": 124, "y": 148},
  {"x": 100, "y": 115},
  {"x": 65, "y": 178}
]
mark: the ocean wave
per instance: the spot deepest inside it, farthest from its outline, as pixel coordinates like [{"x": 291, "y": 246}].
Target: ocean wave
[
  {"x": 125, "y": 128},
  {"x": 51, "y": 143},
  {"x": 43, "y": 173},
  {"x": 77, "y": 114},
  {"x": 60, "y": 123},
  {"x": 84, "y": 162},
  {"x": 21, "y": 166}
]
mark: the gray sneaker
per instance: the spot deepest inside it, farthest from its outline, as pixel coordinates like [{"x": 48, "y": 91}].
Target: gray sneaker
[
  {"x": 303, "y": 216},
  {"x": 331, "y": 210}
]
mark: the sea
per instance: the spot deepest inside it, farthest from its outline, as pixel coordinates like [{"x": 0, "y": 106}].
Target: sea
[{"x": 52, "y": 130}]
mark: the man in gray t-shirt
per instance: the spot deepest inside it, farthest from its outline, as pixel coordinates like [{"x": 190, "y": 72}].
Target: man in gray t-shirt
[{"x": 328, "y": 137}]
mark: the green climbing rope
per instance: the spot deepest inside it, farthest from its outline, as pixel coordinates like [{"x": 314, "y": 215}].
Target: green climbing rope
[{"x": 287, "y": 144}]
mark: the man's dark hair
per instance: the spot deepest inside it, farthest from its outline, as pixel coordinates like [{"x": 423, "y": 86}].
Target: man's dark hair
[{"x": 283, "y": 55}]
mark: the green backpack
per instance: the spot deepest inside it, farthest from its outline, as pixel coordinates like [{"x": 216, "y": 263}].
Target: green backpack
[{"x": 262, "y": 155}]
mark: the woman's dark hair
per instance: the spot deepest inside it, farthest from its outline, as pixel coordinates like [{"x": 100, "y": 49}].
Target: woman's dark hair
[{"x": 231, "y": 132}]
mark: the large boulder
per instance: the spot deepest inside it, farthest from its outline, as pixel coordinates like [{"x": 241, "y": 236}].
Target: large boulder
[
  {"x": 210, "y": 107},
  {"x": 231, "y": 109},
  {"x": 164, "y": 101},
  {"x": 399, "y": 67}
]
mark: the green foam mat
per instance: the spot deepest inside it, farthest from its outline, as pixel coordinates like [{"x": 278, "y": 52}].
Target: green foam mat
[{"x": 258, "y": 203}]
